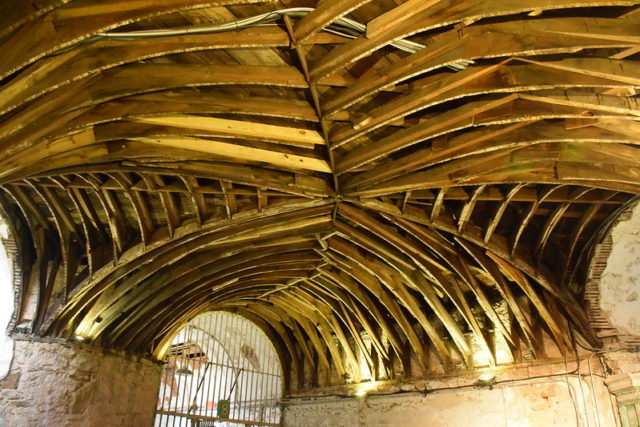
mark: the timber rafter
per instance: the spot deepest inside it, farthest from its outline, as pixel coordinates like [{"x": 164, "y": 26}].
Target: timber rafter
[{"x": 391, "y": 199}]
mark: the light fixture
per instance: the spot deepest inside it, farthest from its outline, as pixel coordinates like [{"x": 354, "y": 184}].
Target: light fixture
[
  {"x": 487, "y": 376},
  {"x": 486, "y": 379},
  {"x": 364, "y": 388},
  {"x": 79, "y": 338}
]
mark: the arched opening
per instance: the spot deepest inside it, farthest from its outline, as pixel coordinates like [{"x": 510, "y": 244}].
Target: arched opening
[
  {"x": 221, "y": 368},
  {"x": 402, "y": 195}
]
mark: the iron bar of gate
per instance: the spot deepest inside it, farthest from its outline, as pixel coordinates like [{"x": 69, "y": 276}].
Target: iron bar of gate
[
  {"x": 216, "y": 396},
  {"x": 186, "y": 376},
  {"x": 236, "y": 411},
  {"x": 206, "y": 341},
  {"x": 244, "y": 369},
  {"x": 239, "y": 370},
  {"x": 227, "y": 420},
  {"x": 195, "y": 395}
]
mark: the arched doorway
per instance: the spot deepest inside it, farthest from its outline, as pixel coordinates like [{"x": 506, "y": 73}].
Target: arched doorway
[{"x": 222, "y": 369}]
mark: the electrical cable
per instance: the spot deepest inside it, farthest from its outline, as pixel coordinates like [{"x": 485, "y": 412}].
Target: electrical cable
[
  {"x": 593, "y": 389},
  {"x": 575, "y": 349},
  {"x": 571, "y": 392},
  {"x": 427, "y": 391},
  {"x": 601, "y": 356},
  {"x": 599, "y": 351},
  {"x": 583, "y": 345},
  {"x": 338, "y": 27}
]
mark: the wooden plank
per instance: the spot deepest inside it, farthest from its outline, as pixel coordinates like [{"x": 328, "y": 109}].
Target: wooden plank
[
  {"x": 509, "y": 109},
  {"x": 437, "y": 126},
  {"x": 367, "y": 275},
  {"x": 140, "y": 206},
  {"x": 439, "y": 15},
  {"x": 347, "y": 278},
  {"x": 506, "y": 76},
  {"x": 79, "y": 20},
  {"x": 497, "y": 245},
  {"x": 197, "y": 199},
  {"x": 292, "y": 184},
  {"x": 397, "y": 15},
  {"x": 497, "y": 216},
  {"x": 504, "y": 288},
  {"x": 303, "y": 318},
  {"x": 430, "y": 296},
  {"x": 552, "y": 221},
  {"x": 329, "y": 329},
  {"x": 495, "y": 40},
  {"x": 230, "y": 202},
  {"x": 166, "y": 253},
  {"x": 94, "y": 235},
  {"x": 324, "y": 14},
  {"x": 467, "y": 209},
  {"x": 540, "y": 305},
  {"x": 574, "y": 237},
  {"x": 459, "y": 266},
  {"x": 115, "y": 224},
  {"x": 144, "y": 78},
  {"x": 236, "y": 151},
  {"x": 333, "y": 284},
  {"x": 527, "y": 216},
  {"x": 416, "y": 253},
  {"x": 193, "y": 274},
  {"x": 244, "y": 129},
  {"x": 85, "y": 61},
  {"x": 314, "y": 94},
  {"x": 58, "y": 278},
  {"x": 537, "y": 164},
  {"x": 172, "y": 216}
]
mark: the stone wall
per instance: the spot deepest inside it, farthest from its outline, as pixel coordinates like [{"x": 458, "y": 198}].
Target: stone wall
[
  {"x": 620, "y": 282},
  {"x": 524, "y": 396},
  {"x": 527, "y": 405},
  {"x": 66, "y": 384},
  {"x": 612, "y": 290}
]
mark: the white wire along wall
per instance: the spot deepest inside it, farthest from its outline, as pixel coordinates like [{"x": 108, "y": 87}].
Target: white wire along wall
[{"x": 218, "y": 357}]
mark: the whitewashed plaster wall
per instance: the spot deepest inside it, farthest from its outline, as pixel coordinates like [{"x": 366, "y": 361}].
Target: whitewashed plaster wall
[
  {"x": 66, "y": 384},
  {"x": 620, "y": 281},
  {"x": 533, "y": 396},
  {"x": 528, "y": 404}
]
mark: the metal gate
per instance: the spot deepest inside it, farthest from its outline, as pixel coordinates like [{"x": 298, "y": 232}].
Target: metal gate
[{"x": 221, "y": 370}]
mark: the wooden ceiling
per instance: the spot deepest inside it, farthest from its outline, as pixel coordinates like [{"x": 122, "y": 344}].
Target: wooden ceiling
[{"x": 331, "y": 171}]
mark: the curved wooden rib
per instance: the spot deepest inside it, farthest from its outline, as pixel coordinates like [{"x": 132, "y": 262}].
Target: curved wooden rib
[
  {"x": 80, "y": 19},
  {"x": 440, "y": 14},
  {"x": 364, "y": 205},
  {"x": 495, "y": 40}
]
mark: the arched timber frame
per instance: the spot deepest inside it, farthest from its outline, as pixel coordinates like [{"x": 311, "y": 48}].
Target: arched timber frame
[{"x": 327, "y": 185}]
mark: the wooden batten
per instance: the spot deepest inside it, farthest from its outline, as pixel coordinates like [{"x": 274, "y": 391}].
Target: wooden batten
[{"x": 379, "y": 185}]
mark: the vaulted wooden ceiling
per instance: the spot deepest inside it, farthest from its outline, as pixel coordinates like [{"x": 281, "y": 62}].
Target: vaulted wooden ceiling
[{"x": 330, "y": 170}]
